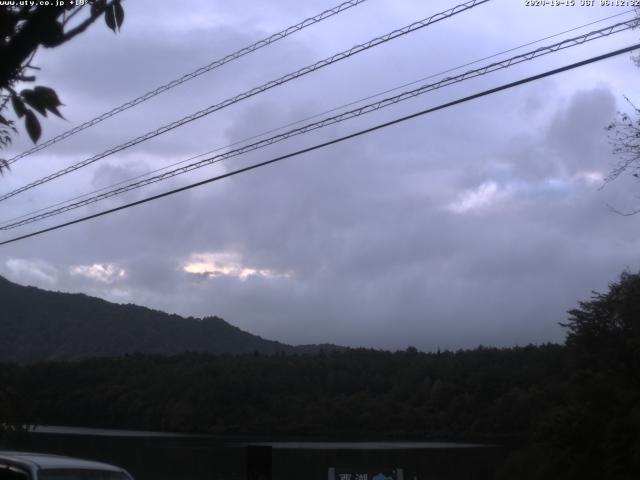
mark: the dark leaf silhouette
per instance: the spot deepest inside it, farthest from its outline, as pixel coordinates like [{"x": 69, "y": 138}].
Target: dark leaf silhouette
[
  {"x": 18, "y": 106},
  {"x": 32, "y": 99},
  {"x": 48, "y": 99},
  {"x": 32, "y": 125},
  {"x": 110, "y": 18},
  {"x": 119, "y": 14},
  {"x": 52, "y": 34}
]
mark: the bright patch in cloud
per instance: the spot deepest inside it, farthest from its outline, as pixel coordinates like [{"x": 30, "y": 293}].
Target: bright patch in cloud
[
  {"x": 483, "y": 196},
  {"x": 555, "y": 184},
  {"x": 227, "y": 264},
  {"x": 571, "y": 182},
  {"x": 590, "y": 177},
  {"x": 105, "y": 273}
]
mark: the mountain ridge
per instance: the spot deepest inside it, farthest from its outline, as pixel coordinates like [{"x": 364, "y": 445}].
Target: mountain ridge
[{"x": 42, "y": 325}]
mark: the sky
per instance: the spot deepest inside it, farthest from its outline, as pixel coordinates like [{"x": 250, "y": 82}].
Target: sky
[{"x": 480, "y": 224}]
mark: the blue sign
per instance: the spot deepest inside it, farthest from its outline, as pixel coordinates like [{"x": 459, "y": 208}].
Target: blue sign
[{"x": 365, "y": 474}]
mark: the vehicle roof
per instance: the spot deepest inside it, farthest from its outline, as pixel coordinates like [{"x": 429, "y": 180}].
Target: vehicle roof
[{"x": 46, "y": 460}]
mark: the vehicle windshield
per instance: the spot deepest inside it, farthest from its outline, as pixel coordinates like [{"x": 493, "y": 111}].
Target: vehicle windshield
[{"x": 80, "y": 474}]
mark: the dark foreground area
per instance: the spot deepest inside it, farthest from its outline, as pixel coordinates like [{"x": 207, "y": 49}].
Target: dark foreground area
[
  {"x": 550, "y": 416},
  {"x": 207, "y": 458},
  {"x": 560, "y": 411}
]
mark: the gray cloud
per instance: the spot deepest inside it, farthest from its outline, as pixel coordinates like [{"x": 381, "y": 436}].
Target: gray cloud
[{"x": 480, "y": 224}]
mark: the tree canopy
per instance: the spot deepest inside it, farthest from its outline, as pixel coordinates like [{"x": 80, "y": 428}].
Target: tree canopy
[{"x": 604, "y": 332}]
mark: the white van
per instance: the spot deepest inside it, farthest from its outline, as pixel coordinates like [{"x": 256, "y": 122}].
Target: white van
[{"x": 42, "y": 466}]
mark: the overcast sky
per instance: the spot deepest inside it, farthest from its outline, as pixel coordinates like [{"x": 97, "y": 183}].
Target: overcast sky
[{"x": 479, "y": 224}]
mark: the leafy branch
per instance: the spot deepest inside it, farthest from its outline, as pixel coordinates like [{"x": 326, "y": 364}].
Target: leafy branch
[{"x": 23, "y": 29}]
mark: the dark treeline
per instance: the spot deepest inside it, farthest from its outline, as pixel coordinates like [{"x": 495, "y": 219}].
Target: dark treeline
[
  {"x": 483, "y": 394},
  {"x": 523, "y": 397},
  {"x": 566, "y": 411}
]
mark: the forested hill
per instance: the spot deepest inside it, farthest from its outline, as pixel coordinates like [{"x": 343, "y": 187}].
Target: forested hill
[{"x": 39, "y": 325}]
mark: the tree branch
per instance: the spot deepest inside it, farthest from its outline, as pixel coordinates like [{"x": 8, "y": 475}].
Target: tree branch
[
  {"x": 68, "y": 35},
  {"x": 72, "y": 14},
  {"x": 36, "y": 31},
  {"x": 623, "y": 214}
]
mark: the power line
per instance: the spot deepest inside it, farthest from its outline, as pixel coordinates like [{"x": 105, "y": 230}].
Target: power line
[
  {"x": 311, "y": 117},
  {"x": 334, "y": 141},
  {"x": 316, "y": 115},
  {"x": 190, "y": 76},
  {"x": 250, "y": 93},
  {"x": 567, "y": 43}
]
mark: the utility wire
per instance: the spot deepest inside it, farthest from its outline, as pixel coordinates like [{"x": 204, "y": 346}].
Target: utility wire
[
  {"x": 190, "y": 76},
  {"x": 273, "y": 83},
  {"x": 571, "y": 42},
  {"x": 334, "y": 141},
  {"x": 311, "y": 117}
]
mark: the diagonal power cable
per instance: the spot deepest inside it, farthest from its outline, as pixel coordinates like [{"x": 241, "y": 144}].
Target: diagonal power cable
[
  {"x": 311, "y": 117},
  {"x": 190, "y": 76},
  {"x": 371, "y": 107},
  {"x": 250, "y": 93},
  {"x": 333, "y": 142},
  {"x": 302, "y": 120}
]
